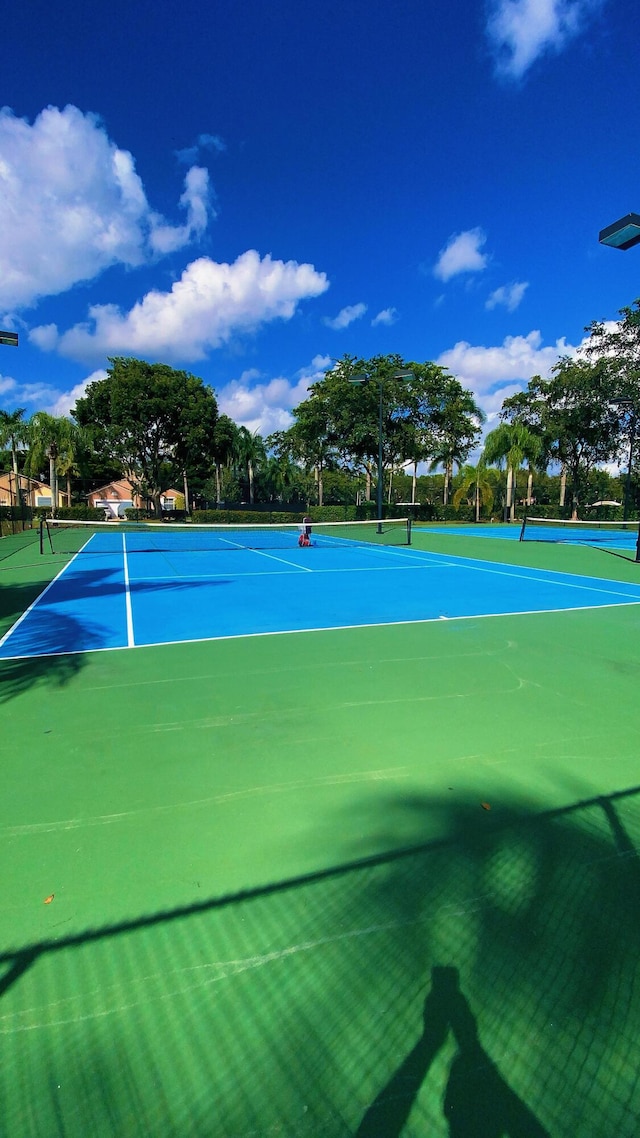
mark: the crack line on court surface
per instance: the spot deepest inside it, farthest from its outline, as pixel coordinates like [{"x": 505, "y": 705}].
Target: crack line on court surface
[
  {"x": 383, "y": 775},
  {"x": 438, "y": 657},
  {"x": 226, "y": 969}
]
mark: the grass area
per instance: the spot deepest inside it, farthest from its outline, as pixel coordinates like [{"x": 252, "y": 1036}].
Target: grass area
[{"x": 360, "y": 882}]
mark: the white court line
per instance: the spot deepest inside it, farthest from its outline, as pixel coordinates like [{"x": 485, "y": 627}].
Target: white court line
[
  {"x": 127, "y": 595},
  {"x": 261, "y": 553},
  {"x": 287, "y": 573},
  {"x": 37, "y": 601},
  {"x": 342, "y": 628},
  {"x": 545, "y": 578}
]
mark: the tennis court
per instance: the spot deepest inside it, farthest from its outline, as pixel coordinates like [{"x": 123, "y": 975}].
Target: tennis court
[
  {"x": 122, "y": 588},
  {"x": 374, "y": 875}
]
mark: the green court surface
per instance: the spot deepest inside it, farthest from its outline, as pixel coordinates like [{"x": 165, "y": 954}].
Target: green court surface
[{"x": 372, "y": 882}]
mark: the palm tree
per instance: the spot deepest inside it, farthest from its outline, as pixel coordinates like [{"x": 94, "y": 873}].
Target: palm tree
[
  {"x": 478, "y": 477},
  {"x": 47, "y": 436},
  {"x": 250, "y": 453},
  {"x": 13, "y": 431},
  {"x": 513, "y": 443},
  {"x": 225, "y": 447},
  {"x": 73, "y": 442},
  {"x": 447, "y": 454}
]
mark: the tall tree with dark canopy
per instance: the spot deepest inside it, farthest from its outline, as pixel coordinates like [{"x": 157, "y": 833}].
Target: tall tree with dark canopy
[{"x": 146, "y": 416}]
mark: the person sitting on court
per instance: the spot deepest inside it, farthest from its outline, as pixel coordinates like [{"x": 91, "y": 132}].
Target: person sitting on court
[{"x": 305, "y": 531}]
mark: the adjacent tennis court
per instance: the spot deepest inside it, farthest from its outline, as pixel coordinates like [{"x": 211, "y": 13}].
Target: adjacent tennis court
[{"x": 375, "y": 875}]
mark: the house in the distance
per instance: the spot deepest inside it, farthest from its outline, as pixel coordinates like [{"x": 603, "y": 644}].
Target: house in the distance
[
  {"x": 119, "y": 495},
  {"x": 33, "y": 492}
]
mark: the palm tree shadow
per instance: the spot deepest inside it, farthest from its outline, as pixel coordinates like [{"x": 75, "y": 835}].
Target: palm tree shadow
[{"x": 478, "y": 1103}]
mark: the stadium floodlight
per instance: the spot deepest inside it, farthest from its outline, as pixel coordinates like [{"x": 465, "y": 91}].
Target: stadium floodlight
[
  {"x": 9, "y": 338},
  {"x": 404, "y": 373},
  {"x": 623, "y": 234}
]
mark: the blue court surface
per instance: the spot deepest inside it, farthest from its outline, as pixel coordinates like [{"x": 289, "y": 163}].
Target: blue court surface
[
  {"x": 125, "y": 599},
  {"x": 607, "y": 535}
]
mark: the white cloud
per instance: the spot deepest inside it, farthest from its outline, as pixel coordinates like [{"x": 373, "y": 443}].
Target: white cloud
[
  {"x": 388, "y": 316},
  {"x": 72, "y": 204},
  {"x": 208, "y": 305},
  {"x": 67, "y": 399},
  {"x": 462, "y": 254},
  {"x": 484, "y": 369},
  {"x": 41, "y": 396},
  {"x": 509, "y": 295},
  {"x": 266, "y": 407},
  {"x": 196, "y": 199},
  {"x": 522, "y": 30},
  {"x": 346, "y": 316}
]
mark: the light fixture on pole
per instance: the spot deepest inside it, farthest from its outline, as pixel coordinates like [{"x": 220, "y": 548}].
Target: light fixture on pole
[
  {"x": 362, "y": 378},
  {"x": 622, "y": 234}
]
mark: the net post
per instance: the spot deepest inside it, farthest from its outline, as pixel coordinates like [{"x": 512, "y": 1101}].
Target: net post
[
  {"x": 638, "y": 546},
  {"x": 41, "y": 526},
  {"x": 408, "y": 531}
]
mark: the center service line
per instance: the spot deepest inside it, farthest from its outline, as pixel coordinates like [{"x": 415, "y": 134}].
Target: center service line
[{"x": 127, "y": 595}]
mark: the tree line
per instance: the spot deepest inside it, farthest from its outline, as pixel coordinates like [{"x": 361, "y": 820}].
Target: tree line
[{"x": 162, "y": 428}]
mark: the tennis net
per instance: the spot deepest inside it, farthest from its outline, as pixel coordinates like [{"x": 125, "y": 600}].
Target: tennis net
[
  {"x": 60, "y": 536},
  {"x": 584, "y": 532}
]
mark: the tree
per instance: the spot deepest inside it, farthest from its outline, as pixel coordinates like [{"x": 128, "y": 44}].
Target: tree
[
  {"x": 514, "y": 443},
  {"x": 479, "y": 478},
  {"x": 457, "y": 421},
  {"x": 618, "y": 347},
  {"x": 340, "y": 422},
  {"x": 250, "y": 453},
  {"x": 13, "y": 432},
  {"x": 574, "y": 416},
  {"x": 225, "y": 442},
  {"x": 73, "y": 447},
  {"x": 147, "y": 416},
  {"x": 47, "y": 439}
]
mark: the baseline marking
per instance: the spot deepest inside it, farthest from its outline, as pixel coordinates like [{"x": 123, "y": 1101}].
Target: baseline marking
[{"x": 340, "y": 628}]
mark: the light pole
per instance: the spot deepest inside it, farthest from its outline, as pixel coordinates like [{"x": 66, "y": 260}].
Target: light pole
[
  {"x": 624, "y": 234},
  {"x": 361, "y": 379}
]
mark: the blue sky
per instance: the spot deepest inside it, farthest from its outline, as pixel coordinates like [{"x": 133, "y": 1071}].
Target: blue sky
[{"x": 249, "y": 191}]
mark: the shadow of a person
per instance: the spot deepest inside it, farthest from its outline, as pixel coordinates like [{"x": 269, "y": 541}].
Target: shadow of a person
[
  {"x": 387, "y": 1115},
  {"x": 478, "y": 1103}
]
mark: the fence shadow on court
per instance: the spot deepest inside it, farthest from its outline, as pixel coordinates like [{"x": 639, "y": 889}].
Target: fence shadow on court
[{"x": 478, "y": 985}]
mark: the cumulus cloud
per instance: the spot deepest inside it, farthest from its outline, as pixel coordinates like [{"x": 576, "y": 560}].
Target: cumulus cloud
[
  {"x": 196, "y": 200},
  {"x": 209, "y": 304},
  {"x": 388, "y": 316},
  {"x": 265, "y": 406},
  {"x": 41, "y": 396},
  {"x": 520, "y": 31},
  {"x": 346, "y": 316},
  {"x": 72, "y": 204},
  {"x": 509, "y": 296},
  {"x": 487, "y": 369},
  {"x": 66, "y": 400},
  {"x": 462, "y": 254}
]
